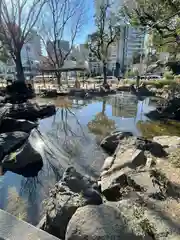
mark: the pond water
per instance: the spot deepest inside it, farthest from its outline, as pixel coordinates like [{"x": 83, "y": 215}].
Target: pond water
[{"x": 72, "y": 137}]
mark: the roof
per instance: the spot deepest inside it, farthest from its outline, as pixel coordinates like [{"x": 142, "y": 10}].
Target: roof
[{"x": 69, "y": 66}]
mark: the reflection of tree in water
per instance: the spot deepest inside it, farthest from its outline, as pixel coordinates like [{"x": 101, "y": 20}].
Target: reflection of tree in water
[
  {"x": 62, "y": 147},
  {"x": 150, "y": 129},
  {"x": 101, "y": 125},
  {"x": 16, "y": 205}
]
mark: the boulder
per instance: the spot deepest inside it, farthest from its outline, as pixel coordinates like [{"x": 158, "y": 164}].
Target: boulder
[
  {"x": 168, "y": 140},
  {"x": 153, "y": 147},
  {"x": 72, "y": 192},
  {"x": 10, "y": 125},
  {"x": 145, "y": 219},
  {"x": 107, "y": 163},
  {"x": 102, "y": 222},
  {"x": 131, "y": 158},
  {"x": 116, "y": 176},
  {"x": 47, "y": 111},
  {"x": 19, "y": 92},
  {"x": 24, "y": 157},
  {"x": 30, "y": 111},
  {"x": 110, "y": 143},
  {"x": 141, "y": 181},
  {"x": 11, "y": 141},
  {"x": 112, "y": 183}
]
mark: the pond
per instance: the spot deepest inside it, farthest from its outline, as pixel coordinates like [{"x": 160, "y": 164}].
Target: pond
[{"x": 71, "y": 138}]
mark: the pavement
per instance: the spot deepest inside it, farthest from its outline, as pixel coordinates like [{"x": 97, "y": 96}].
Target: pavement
[{"x": 11, "y": 228}]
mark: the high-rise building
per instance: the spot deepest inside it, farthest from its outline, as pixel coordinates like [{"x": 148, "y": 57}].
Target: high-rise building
[
  {"x": 61, "y": 45},
  {"x": 32, "y": 50}
]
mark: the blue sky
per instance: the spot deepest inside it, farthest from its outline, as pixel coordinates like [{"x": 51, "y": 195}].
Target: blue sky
[{"x": 89, "y": 26}]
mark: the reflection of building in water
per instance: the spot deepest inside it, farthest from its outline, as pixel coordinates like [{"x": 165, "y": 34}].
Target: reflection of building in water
[{"x": 123, "y": 106}]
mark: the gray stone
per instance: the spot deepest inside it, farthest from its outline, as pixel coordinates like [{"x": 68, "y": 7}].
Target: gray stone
[
  {"x": 102, "y": 223},
  {"x": 110, "y": 143},
  {"x": 107, "y": 163},
  {"x": 131, "y": 158},
  {"x": 65, "y": 199},
  {"x": 141, "y": 180},
  {"x": 10, "y": 125},
  {"x": 75, "y": 181},
  {"x": 116, "y": 177},
  {"x": 112, "y": 183},
  {"x": 9, "y": 142},
  {"x": 148, "y": 218},
  {"x": 167, "y": 140},
  {"x": 23, "y": 157}
]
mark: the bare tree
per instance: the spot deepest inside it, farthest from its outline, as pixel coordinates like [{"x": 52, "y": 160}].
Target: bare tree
[
  {"x": 17, "y": 20},
  {"x": 64, "y": 20},
  {"x": 99, "y": 42}
]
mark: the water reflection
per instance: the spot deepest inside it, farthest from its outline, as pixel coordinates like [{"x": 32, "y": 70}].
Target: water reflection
[
  {"x": 70, "y": 138},
  {"x": 101, "y": 125}
]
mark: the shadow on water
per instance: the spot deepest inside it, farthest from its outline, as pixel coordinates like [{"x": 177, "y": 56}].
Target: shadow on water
[{"x": 69, "y": 138}]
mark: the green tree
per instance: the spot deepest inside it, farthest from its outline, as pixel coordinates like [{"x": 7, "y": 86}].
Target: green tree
[
  {"x": 106, "y": 34},
  {"x": 161, "y": 18}
]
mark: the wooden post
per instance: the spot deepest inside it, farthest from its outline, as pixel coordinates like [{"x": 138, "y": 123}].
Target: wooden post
[{"x": 44, "y": 82}]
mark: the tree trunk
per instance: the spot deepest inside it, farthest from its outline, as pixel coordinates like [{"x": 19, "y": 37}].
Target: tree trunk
[
  {"x": 19, "y": 68},
  {"x": 58, "y": 76},
  {"x": 105, "y": 73},
  {"x": 103, "y": 107}
]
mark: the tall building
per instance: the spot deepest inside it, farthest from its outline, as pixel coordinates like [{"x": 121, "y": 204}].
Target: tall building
[
  {"x": 131, "y": 41},
  {"x": 32, "y": 50},
  {"x": 61, "y": 46}
]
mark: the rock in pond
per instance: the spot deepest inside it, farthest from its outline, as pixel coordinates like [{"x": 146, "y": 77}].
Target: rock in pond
[
  {"x": 10, "y": 125},
  {"x": 72, "y": 192},
  {"x": 47, "y": 111},
  {"x": 29, "y": 111},
  {"x": 110, "y": 143},
  {"x": 11, "y": 141},
  {"x": 22, "y": 159}
]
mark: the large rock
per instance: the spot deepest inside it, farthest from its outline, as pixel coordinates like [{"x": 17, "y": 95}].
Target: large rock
[
  {"x": 168, "y": 140},
  {"x": 30, "y": 111},
  {"x": 152, "y": 222},
  {"x": 110, "y": 143},
  {"x": 72, "y": 192},
  {"x": 25, "y": 159},
  {"x": 102, "y": 222},
  {"x": 141, "y": 181},
  {"x": 155, "y": 148},
  {"x": 19, "y": 92},
  {"x": 10, "y": 125},
  {"x": 11, "y": 141},
  {"x": 107, "y": 163},
  {"x": 116, "y": 176},
  {"x": 47, "y": 111}
]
